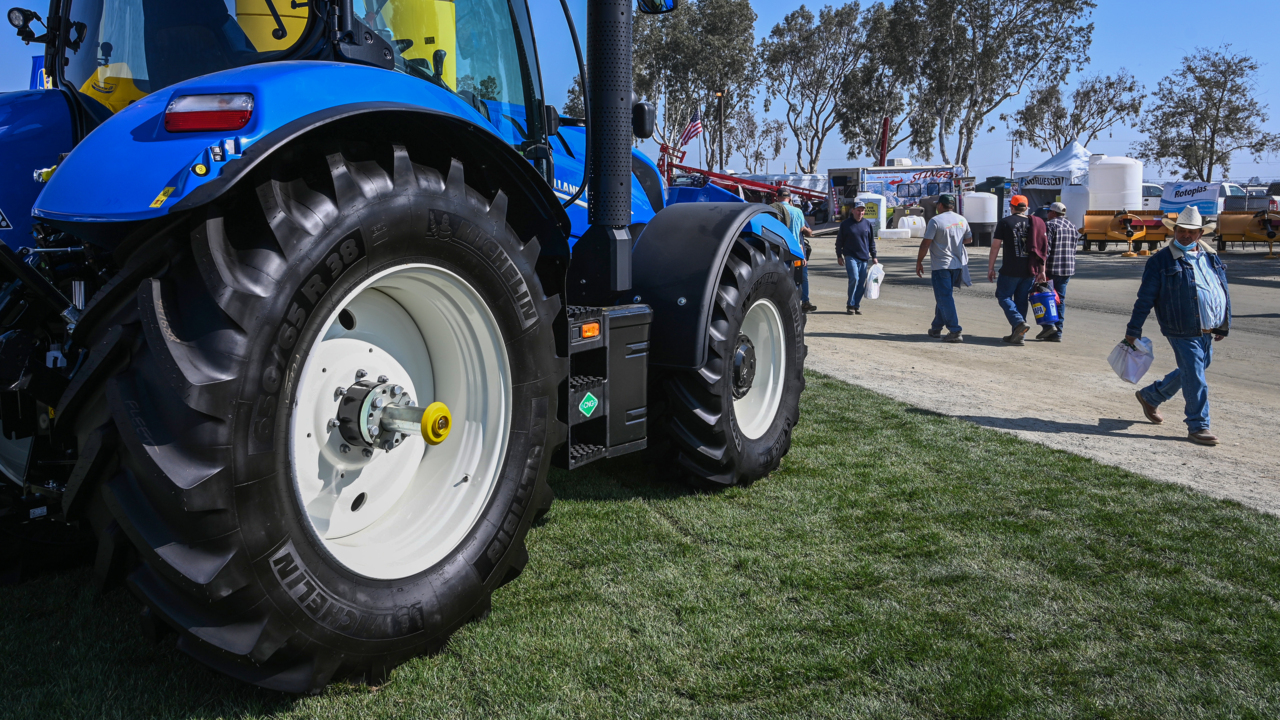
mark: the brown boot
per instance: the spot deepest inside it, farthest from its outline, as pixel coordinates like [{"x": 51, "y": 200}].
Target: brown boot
[
  {"x": 1203, "y": 437},
  {"x": 1149, "y": 410}
]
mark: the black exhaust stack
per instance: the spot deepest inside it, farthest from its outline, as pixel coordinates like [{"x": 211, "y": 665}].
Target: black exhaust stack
[{"x": 601, "y": 267}]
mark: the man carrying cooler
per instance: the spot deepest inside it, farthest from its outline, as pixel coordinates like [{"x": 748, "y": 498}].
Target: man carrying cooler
[
  {"x": 855, "y": 248},
  {"x": 1025, "y": 250},
  {"x": 1062, "y": 235},
  {"x": 1187, "y": 285},
  {"x": 945, "y": 236}
]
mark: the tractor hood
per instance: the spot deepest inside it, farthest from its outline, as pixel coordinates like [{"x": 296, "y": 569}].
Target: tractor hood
[
  {"x": 131, "y": 169},
  {"x": 35, "y": 128}
]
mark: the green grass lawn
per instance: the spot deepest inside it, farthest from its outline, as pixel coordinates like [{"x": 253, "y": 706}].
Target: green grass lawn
[{"x": 900, "y": 564}]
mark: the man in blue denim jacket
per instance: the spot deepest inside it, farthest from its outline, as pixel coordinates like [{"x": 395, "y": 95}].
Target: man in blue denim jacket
[{"x": 1186, "y": 283}]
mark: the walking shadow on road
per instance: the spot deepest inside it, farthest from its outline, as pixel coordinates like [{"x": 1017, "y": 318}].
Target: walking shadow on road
[
  {"x": 1106, "y": 427},
  {"x": 919, "y": 337}
]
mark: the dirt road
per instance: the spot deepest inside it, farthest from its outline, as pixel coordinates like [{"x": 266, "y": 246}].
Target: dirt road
[{"x": 1065, "y": 395}]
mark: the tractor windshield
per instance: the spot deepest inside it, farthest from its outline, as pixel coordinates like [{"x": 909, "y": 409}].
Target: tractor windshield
[
  {"x": 472, "y": 47},
  {"x": 134, "y": 47}
]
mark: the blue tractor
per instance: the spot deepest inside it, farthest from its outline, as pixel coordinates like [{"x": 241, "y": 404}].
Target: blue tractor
[{"x": 301, "y": 300}]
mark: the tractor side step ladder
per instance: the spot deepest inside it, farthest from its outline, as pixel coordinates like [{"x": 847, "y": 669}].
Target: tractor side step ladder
[{"x": 604, "y": 399}]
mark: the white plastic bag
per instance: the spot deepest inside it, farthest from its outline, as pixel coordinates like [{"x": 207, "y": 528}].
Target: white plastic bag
[
  {"x": 1131, "y": 363},
  {"x": 875, "y": 276}
]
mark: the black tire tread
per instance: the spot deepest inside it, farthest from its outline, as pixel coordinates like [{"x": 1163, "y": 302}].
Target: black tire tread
[{"x": 175, "y": 401}]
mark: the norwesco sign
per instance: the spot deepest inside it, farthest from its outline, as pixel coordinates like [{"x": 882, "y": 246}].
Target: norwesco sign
[
  {"x": 1179, "y": 195},
  {"x": 1043, "y": 181}
]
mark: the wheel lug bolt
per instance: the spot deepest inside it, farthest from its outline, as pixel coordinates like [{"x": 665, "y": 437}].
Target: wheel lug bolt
[
  {"x": 396, "y": 389},
  {"x": 337, "y": 394},
  {"x": 344, "y": 448},
  {"x": 360, "y": 374},
  {"x": 368, "y": 453},
  {"x": 379, "y": 402},
  {"x": 382, "y": 378},
  {"x": 333, "y": 423}
]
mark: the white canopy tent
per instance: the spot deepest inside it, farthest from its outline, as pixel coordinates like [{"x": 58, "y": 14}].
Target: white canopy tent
[{"x": 1046, "y": 182}]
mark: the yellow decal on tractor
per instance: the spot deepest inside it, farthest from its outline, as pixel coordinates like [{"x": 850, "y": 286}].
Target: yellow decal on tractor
[{"x": 164, "y": 195}]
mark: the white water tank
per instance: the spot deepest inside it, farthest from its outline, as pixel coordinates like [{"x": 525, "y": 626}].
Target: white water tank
[
  {"x": 1076, "y": 198},
  {"x": 980, "y": 211},
  {"x": 980, "y": 207},
  {"x": 1115, "y": 183},
  {"x": 913, "y": 223}
]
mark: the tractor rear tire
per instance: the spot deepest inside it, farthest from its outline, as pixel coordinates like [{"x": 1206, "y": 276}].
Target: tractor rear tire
[
  {"x": 720, "y": 438},
  {"x": 219, "y": 345}
]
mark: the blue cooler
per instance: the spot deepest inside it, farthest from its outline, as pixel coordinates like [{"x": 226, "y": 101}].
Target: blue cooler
[{"x": 1044, "y": 305}]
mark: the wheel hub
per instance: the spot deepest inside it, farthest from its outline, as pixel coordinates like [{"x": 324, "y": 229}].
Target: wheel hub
[
  {"x": 744, "y": 366},
  {"x": 368, "y": 414}
]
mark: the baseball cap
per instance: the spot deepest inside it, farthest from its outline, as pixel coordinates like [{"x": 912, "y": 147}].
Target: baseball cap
[
  {"x": 784, "y": 192},
  {"x": 859, "y": 204},
  {"x": 1058, "y": 208},
  {"x": 947, "y": 199},
  {"x": 1019, "y": 200}
]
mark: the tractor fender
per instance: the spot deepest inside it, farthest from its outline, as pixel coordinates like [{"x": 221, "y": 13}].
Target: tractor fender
[
  {"x": 131, "y": 169},
  {"x": 676, "y": 264},
  {"x": 469, "y": 143}
]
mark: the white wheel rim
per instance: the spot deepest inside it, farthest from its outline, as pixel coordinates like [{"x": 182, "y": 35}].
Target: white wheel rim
[
  {"x": 428, "y": 330},
  {"x": 755, "y": 410}
]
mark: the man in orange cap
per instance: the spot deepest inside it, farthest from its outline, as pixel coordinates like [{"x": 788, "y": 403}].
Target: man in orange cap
[{"x": 1026, "y": 245}]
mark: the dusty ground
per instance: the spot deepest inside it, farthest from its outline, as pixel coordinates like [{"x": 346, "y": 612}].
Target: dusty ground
[{"x": 1065, "y": 395}]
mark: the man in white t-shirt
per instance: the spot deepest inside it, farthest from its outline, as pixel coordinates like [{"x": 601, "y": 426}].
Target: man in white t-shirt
[{"x": 945, "y": 236}]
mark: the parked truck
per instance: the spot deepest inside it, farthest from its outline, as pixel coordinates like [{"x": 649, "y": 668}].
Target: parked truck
[{"x": 300, "y": 301}]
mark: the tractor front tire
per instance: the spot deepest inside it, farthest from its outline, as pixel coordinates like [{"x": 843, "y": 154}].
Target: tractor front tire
[
  {"x": 243, "y": 504},
  {"x": 730, "y": 422}
]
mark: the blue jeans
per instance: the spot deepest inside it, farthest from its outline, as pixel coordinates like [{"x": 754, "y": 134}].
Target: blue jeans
[
  {"x": 857, "y": 270},
  {"x": 804, "y": 283},
  {"x": 1012, "y": 293},
  {"x": 944, "y": 311},
  {"x": 1060, "y": 284},
  {"x": 1193, "y": 355}
]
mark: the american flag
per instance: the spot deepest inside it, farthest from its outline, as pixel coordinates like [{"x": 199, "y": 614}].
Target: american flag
[{"x": 693, "y": 131}]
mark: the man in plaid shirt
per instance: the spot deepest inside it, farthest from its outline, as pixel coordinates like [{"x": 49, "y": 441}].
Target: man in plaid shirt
[{"x": 1062, "y": 263}]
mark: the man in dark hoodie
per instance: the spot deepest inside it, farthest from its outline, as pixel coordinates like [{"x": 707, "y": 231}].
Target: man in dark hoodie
[
  {"x": 1026, "y": 246},
  {"x": 855, "y": 249}
]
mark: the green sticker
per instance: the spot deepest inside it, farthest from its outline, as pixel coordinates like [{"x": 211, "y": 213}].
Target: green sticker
[{"x": 588, "y": 404}]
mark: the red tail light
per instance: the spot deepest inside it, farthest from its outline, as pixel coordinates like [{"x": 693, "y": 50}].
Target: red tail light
[
  {"x": 1275, "y": 205},
  {"x": 196, "y": 113}
]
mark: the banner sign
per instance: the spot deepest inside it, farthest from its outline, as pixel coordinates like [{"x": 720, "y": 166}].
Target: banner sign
[
  {"x": 908, "y": 184},
  {"x": 1203, "y": 195}
]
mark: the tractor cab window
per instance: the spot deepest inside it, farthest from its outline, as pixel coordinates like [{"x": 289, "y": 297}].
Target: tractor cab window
[
  {"x": 132, "y": 48},
  {"x": 470, "y": 47}
]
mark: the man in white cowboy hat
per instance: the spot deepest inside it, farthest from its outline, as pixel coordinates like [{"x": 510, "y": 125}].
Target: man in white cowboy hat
[{"x": 1186, "y": 283}]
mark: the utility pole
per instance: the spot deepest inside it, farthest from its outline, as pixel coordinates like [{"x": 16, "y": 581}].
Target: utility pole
[
  {"x": 720, "y": 126},
  {"x": 1012, "y": 144}
]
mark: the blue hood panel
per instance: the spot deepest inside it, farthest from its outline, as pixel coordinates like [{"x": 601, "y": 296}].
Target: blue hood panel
[
  {"x": 130, "y": 168},
  {"x": 35, "y": 128}
]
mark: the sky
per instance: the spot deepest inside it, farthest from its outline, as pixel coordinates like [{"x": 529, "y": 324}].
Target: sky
[{"x": 1146, "y": 37}]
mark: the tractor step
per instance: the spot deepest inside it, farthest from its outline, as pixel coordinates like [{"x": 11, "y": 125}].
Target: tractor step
[{"x": 604, "y": 399}]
